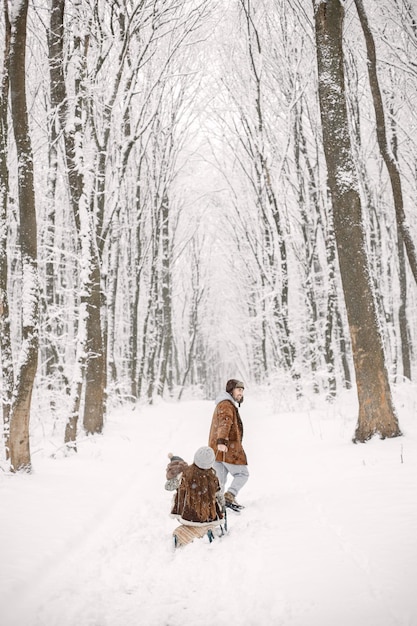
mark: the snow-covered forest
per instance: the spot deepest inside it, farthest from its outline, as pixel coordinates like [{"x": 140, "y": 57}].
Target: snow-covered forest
[{"x": 166, "y": 220}]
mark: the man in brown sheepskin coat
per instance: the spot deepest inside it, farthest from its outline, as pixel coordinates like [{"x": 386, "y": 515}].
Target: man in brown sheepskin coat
[{"x": 226, "y": 434}]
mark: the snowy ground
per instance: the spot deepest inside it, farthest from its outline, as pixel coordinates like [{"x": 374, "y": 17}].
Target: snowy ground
[{"x": 328, "y": 536}]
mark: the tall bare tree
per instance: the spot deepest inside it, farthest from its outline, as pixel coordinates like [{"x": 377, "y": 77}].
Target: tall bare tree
[
  {"x": 376, "y": 410},
  {"x": 404, "y": 236},
  {"x": 27, "y": 366},
  {"x": 5, "y": 337}
]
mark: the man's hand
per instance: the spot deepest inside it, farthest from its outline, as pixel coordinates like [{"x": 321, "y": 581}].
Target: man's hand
[{"x": 221, "y": 447}]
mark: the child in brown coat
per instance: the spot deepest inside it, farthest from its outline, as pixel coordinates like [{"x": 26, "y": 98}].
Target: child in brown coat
[{"x": 198, "y": 502}]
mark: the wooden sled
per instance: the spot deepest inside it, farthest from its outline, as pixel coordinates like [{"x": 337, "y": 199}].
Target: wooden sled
[{"x": 183, "y": 535}]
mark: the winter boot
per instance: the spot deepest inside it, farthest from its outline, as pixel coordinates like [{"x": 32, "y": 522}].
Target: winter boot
[{"x": 231, "y": 503}]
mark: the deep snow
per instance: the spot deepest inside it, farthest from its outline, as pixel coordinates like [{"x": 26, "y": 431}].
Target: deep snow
[{"x": 328, "y": 535}]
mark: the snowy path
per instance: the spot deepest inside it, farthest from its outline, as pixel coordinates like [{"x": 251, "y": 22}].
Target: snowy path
[{"x": 327, "y": 536}]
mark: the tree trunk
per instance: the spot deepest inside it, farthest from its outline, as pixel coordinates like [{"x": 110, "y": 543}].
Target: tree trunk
[
  {"x": 402, "y": 311},
  {"x": 50, "y": 330},
  {"x": 112, "y": 283},
  {"x": 391, "y": 165},
  {"x": 7, "y": 374},
  {"x": 59, "y": 103},
  {"x": 20, "y": 415},
  {"x": 95, "y": 365},
  {"x": 70, "y": 124},
  {"x": 376, "y": 411},
  {"x": 197, "y": 293},
  {"x": 165, "y": 377},
  {"x": 133, "y": 343},
  {"x": 90, "y": 350},
  {"x": 309, "y": 200}
]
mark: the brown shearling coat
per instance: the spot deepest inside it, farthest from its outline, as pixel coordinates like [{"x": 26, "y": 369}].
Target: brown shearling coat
[
  {"x": 196, "y": 502},
  {"x": 227, "y": 428}
]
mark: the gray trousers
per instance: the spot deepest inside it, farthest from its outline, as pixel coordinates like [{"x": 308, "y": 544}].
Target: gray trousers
[{"x": 240, "y": 475}]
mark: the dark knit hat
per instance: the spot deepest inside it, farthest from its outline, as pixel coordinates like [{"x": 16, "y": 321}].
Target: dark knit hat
[
  {"x": 175, "y": 466},
  {"x": 233, "y": 384},
  {"x": 173, "y": 457}
]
